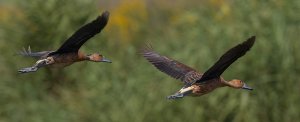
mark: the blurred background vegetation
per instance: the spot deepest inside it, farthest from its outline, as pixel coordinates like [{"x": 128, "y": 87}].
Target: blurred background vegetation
[{"x": 194, "y": 32}]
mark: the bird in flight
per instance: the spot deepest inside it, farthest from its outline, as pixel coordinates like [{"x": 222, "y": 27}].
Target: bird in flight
[
  {"x": 69, "y": 52},
  {"x": 196, "y": 83}
]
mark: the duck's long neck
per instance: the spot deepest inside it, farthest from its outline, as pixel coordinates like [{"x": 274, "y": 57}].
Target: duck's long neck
[
  {"x": 82, "y": 56},
  {"x": 230, "y": 83}
]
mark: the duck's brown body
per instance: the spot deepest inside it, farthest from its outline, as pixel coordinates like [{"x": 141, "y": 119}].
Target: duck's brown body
[
  {"x": 69, "y": 52},
  {"x": 199, "y": 89},
  {"x": 63, "y": 60},
  {"x": 196, "y": 83},
  {"x": 204, "y": 88}
]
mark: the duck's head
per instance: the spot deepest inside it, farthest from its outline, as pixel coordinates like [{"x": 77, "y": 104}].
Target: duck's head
[
  {"x": 239, "y": 84},
  {"x": 96, "y": 57}
]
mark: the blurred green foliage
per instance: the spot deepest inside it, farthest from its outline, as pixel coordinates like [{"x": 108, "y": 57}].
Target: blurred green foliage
[{"x": 194, "y": 32}]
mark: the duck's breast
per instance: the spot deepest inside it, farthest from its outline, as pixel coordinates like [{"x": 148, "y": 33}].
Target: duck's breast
[
  {"x": 63, "y": 60},
  {"x": 206, "y": 87}
]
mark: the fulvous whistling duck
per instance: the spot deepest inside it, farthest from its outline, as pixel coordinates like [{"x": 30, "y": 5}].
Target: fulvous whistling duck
[
  {"x": 196, "y": 83},
  {"x": 69, "y": 52}
]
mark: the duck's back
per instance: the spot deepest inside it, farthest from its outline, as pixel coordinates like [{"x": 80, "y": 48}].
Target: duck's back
[{"x": 191, "y": 76}]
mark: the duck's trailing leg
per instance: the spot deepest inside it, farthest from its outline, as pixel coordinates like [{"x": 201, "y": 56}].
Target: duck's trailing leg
[
  {"x": 181, "y": 93},
  {"x": 28, "y": 69},
  {"x": 38, "y": 64}
]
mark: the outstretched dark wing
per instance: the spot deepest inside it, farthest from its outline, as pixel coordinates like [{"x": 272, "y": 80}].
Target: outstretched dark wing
[
  {"x": 83, "y": 34},
  {"x": 171, "y": 67},
  {"x": 227, "y": 59}
]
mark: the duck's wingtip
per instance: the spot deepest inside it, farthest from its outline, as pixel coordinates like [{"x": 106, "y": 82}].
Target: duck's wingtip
[
  {"x": 250, "y": 41},
  {"x": 253, "y": 37},
  {"x": 105, "y": 14},
  {"x": 147, "y": 47}
]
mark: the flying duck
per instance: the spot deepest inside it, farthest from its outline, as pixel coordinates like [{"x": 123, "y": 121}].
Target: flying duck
[
  {"x": 196, "y": 83},
  {"x": 69, "y": 52}
]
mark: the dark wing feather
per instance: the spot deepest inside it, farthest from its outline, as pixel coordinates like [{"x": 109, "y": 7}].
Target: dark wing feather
[
  {"x": 227, "y": 59},
  {"x": 171, "y": 67},
  {"x": 86, "y": 32}
]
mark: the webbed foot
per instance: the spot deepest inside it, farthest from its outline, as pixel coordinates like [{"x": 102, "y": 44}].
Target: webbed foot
[
  {"x": 186, "y": 90},
  {"x": 27, "y": 70},
  {"x": 175, "y": 96}
]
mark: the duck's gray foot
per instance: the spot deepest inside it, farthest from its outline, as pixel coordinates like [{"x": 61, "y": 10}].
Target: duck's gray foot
[
  {"x": 27, "y": 70},
  {"x": 175, "y": 96},
  {"x": 186, "y": 90}
]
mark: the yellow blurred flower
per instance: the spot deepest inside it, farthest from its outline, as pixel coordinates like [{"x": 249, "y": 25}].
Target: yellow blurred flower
[
  {"x": 223, "y": 7},
  {"x": 127, "y": 19}
]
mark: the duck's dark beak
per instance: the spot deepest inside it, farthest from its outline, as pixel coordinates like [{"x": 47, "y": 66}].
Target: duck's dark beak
[
  {"x": 246, "y": 87},
  {"x": 105, "y": 60}
]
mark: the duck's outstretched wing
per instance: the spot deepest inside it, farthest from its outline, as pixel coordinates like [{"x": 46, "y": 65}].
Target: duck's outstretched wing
[
  {"x": 169, "y": 66},
  {"x": 29, "y": 53},
  {"x": 227, "y": 59},
  {"x": 73, "y": 43}
]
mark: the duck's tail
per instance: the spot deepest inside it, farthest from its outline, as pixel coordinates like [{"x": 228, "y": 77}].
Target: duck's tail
[{"x": 29, "y": 53}]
